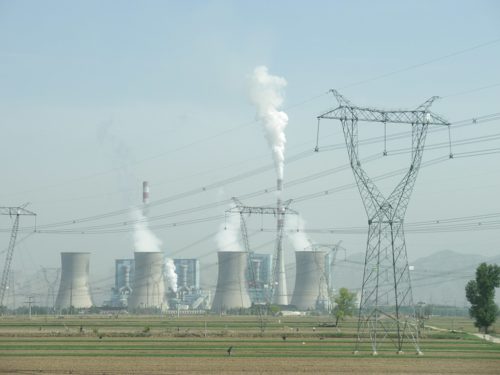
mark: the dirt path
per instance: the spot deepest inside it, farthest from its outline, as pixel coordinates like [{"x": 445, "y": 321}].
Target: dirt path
[
  {"x": 496, "y": 340},
  {"x": 490, "y": 338}
]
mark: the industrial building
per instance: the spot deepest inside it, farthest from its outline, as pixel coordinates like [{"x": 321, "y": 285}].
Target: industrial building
[
  {"x": 259, "y": 277},
  {"x": 74, "y": 289},
  {"x": 188, "y": 273},
  {"x": 124, "y": 274},
  {"x": 189, "y": 295}
]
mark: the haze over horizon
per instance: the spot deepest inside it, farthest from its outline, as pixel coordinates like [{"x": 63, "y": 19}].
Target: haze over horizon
[{"x": 97, "y": 97}]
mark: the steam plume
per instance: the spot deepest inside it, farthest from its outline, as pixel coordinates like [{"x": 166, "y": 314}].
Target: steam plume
[
  {"x": 170, "y": 274},
  {"x": 297, "y": 235},
  {"x": 227, "y": 238},
  {"x": 144, "y": 238},
  {"x": 266, "y": 95}
]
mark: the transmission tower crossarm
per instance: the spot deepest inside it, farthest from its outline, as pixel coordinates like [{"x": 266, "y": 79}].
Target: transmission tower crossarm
[
  {"x": 354, "y": 113},
  {"x": 263, "y": 210},
  {"x": 13, "y": 211}
]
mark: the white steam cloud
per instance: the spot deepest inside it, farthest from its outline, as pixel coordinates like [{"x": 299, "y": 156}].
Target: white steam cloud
[
  {"x": 228, "y": 236},
  {"x": 266, "y": 95},
  {"x": 170, "y": 274},
  {"x": 297, "y": 235},
  {"x": 144, "y": 238}
]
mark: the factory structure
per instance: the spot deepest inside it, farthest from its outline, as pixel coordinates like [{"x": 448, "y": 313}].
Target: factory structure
[
  {"x": 244, "y": 278},
  {"x": 259, "y": 276}
]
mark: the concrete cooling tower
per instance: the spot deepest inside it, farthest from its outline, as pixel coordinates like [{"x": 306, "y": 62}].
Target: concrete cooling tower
[
  {"x": 310, "y": 280},
  {"x": 74, "y": 288},
  {"x": 231, "y": 291},
  {"x": 148, "y": 288}
]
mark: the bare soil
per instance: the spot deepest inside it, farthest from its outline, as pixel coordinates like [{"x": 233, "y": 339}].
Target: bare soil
[{"x": 235, "y": 365}]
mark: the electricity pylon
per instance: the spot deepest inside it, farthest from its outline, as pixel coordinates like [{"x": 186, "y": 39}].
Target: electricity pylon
[
  {"x": 279, "y": 276},
  {"x": 16, "y": 212},
  {"x": 386, "y": 308},
  {"x": 51, "y": 277}
]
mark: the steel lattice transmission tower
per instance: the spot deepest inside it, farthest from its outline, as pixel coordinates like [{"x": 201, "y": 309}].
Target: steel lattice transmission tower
[
  {"x": 386, "y": 308},
  {"x": 280, "y": 212},
  {"x": 15, "y": 212}
]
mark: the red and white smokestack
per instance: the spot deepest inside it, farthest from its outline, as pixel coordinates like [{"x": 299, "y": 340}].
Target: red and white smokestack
[{"x": 145, "y": 192}]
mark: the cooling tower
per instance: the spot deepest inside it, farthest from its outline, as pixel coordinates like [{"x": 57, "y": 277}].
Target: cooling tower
[
  {"x": 74, "y": 288},
  {"x": 231, "y": 292},
  {"x": 148, "y": 288},
  {"x": 310, "y": 279}
]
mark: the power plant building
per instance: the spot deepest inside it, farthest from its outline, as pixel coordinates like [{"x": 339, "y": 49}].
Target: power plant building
[
  {"x": 188, "y": 273},
  {"x": 259, "y": 277},
  {"x": 74, "y": 289},
  {"x": 231, "y": 291},
  {"x": 124, "y": 274}
]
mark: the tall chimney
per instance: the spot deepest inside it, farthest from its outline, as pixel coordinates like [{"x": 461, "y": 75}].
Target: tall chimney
[
  {"x": 145, "y": 192},
  {"x": 280, "y": 289}
]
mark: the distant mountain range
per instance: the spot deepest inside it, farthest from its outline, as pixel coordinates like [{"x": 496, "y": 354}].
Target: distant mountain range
[{"x": 439, "y": 278}]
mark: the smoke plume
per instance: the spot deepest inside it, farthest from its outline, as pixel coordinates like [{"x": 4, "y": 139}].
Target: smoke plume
[
  {"x": 266, "y": 95},
  {"x": 297, "y": 235},
  {"x": 144, "y": 238},
  {"x": 170, "y": 274},
  {"x": 227, "y": 238}
]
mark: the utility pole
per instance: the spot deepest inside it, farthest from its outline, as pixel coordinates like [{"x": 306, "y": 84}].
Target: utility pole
[
  {"x": 15, "y": 212},
  {"x": 386, "y": 286},
  {"x": 29, "y": 302}
]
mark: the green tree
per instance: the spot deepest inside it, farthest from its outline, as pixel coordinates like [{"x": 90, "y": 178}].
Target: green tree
[
  {"x": 345, "y": 305},
  {"x": 481, "y": 295}
]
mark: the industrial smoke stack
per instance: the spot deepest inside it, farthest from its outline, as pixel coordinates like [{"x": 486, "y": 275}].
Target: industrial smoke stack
[
  {"x": 310, "y": 279},
  {"x": 74, "y": 288},
  {"x": 231, "y": 292},
  {"x": 280, "y": 289},
  {"x": 148, "y": 288},
  {"x": 145, "y": 192}
]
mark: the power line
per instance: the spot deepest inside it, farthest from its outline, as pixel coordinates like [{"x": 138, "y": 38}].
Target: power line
[
  {"x": 298, "y": 156},
  {"x": 419, "y": 65}
]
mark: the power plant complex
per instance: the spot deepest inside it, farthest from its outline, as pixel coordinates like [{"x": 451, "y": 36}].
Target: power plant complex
[
  {"x": 243, "y": 280},
  {"x": 153, "y": 283}
]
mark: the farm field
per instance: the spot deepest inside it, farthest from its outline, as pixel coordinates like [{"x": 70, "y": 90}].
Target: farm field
[{"x": 170, "y": 345}]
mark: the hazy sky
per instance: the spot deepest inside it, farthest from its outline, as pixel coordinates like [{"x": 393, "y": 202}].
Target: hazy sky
[{"x": 97, "y": 96}]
